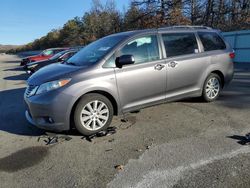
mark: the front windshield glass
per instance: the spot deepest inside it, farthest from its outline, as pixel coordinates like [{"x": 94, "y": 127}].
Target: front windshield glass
[
  {"x": 95, "y": 51},
  {"x": 56, "y": 56}
]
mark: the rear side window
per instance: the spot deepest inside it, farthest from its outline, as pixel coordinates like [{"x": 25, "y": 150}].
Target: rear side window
[
  {"x": 211, "y": 41},
  {"x": 180, "y": 44}
]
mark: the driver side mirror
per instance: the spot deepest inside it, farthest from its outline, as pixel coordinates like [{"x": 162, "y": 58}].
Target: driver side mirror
[{"x": 124, "y": 60}]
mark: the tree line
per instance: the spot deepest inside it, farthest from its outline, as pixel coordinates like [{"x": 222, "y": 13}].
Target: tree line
[{"x": 104, "y": 19}]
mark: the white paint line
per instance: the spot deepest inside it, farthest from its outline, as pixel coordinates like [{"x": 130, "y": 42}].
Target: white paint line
[{"x": 173, "y": 175}]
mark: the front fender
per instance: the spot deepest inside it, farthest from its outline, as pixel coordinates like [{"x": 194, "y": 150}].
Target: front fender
[{"x": 105, "y": 84}]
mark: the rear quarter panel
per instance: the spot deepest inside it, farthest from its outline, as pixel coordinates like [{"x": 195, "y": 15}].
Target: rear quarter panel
[{"x": 220, "y": 61}]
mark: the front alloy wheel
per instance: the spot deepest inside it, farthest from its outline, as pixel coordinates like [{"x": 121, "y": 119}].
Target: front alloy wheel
[{"x": 93, "y": 113}]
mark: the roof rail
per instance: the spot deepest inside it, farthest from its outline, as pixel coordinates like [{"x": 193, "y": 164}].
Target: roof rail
[{"x": 186, "y": 27}]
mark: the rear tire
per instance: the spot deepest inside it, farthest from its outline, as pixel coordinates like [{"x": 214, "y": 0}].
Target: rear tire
[
  {"x": 93, "y": 113},
  {"x": 212, "y": 88}
]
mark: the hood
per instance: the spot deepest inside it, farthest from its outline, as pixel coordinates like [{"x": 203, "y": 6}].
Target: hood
[
  {"x": 52, "y": 72},
  {"x": 32, "y": 57},
  {"x": 37, "y": 62},
  {"x": 39, "y": 57}
]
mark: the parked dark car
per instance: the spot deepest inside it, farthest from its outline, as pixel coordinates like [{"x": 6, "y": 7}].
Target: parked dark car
[
  {"x": 44, "y": 55},
  {"x": 59, "y": 57}
]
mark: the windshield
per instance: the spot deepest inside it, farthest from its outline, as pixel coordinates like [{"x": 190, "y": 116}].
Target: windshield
[
  {"x": 56, "y": 56},
  {"x": 95, "y": 51}
]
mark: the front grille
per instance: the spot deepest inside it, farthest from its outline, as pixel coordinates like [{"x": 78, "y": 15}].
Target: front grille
[{"x": 30, "y": 90}]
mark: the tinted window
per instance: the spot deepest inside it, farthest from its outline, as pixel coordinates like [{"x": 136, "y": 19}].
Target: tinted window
[
  {"x": 211, "y": 41},
  {"x": 180, "y": 44},
  {"x": 144, "y": 49}
]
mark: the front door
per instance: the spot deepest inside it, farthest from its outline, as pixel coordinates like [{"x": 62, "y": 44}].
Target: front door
[{"x": 143, "y": 83}]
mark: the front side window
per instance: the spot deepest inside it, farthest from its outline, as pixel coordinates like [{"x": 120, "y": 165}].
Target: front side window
[
  {"x": 110, "y": 62},
  {"x": 180, "y": 44},
  {"x": 211, "y": 41},
  {"x": 144, "y": 49}
]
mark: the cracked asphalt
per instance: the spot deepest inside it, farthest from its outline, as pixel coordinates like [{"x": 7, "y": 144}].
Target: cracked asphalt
[{"x": 180, "y": 144}]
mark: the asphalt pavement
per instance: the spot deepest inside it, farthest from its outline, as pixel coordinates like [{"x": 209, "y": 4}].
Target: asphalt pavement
[{"x": 180, "y": 144}]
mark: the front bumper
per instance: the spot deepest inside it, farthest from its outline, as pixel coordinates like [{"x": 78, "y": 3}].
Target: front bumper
[
  {"x": 50, "y": 111},
  {"x": 29, "y": 118}
]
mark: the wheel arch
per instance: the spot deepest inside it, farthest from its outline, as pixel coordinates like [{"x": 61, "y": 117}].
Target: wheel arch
[
  {"x": 112, "y": 99},
  {"x": 221, "y": 75}
]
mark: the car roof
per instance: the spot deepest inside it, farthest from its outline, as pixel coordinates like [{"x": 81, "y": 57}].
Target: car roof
[
  {"x": 166, "y": 29},
  {"x": 70, "y": 50},
  {"x": 134, "y": 32},
  {"x": 65, "y": 48},
  {"x": 66, "y": 51},
  {"x": 186, "y": 28}
]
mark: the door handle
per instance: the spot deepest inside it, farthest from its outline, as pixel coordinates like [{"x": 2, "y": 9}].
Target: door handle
[
  {"x": 159, "y": 66},
  {"x": 172, "y": 64}
]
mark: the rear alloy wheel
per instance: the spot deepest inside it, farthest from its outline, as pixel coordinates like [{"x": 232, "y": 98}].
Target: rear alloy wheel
[
  {"x": 93, "y": 113},
  {"x": 212, "y": 88}
]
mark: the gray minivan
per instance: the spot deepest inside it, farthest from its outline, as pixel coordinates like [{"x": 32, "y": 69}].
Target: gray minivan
[{"x": 128, "y": 71}]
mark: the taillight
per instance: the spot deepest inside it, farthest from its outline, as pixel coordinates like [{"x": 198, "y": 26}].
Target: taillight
[{"x": 232, "y": 55}]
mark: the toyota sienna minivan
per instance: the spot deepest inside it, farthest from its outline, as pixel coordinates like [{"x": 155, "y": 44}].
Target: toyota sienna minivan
[{"x": 128, "y": 71}]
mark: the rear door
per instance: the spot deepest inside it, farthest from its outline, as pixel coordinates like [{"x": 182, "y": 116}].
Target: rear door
[
  {"x": 185, "y": 64},
  {"x": 143, "y": 83}
]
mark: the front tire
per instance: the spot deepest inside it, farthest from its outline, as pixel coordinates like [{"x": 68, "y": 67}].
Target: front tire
[
  {"x": 212, "y": 88},
  {"x": 93, "y": 113}
]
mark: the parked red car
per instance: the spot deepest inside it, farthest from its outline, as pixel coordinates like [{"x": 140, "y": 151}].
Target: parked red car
[{"x": 46, "y": 54}]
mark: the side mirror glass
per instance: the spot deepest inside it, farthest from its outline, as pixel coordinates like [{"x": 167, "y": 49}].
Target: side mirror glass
[{"x": 124, "y": 60}]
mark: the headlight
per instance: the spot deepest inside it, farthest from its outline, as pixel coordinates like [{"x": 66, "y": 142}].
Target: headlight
[{"x": 52, "y": 85}]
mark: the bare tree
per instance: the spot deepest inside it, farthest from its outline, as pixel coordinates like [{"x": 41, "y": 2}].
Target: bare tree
[{"x": 104, "y": 19}]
